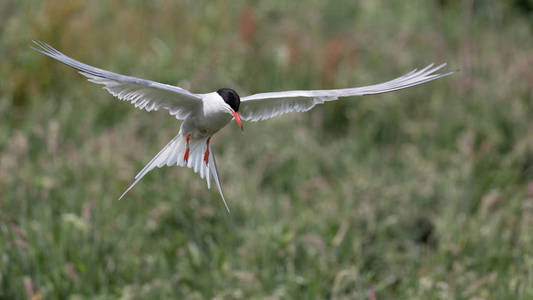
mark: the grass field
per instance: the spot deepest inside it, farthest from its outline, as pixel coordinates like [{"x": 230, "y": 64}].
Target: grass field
[{"x": 425, "y": 193}]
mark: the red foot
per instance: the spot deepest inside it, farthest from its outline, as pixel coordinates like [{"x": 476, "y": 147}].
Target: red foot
[
  {"x": 186, "y": 156},
  {"x": 206, "y": 155}
]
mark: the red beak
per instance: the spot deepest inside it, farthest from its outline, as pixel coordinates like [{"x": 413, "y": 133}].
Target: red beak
[{"x": 238, "y": 119}]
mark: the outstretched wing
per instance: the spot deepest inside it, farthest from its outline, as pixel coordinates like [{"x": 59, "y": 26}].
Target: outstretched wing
[
  {"x": 264, "y": 106},
  {"x": 144, "y": 94}
]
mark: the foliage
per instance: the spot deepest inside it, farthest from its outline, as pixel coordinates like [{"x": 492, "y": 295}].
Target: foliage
[{"x": 419, "y": 194}]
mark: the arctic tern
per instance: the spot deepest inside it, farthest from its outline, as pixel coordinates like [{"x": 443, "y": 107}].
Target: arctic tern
[{"x": 205, "y": 114}]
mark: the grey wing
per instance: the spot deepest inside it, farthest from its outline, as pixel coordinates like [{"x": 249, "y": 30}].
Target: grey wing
[
  {"x": 144, "y": 94},
  {"x": 264, "y": 106}
]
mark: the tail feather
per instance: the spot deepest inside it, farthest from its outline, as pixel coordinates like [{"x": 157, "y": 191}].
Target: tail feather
[
  {"x": 155, "y": 160},
  {"x": 172, "y": 157},
  {"x": 173, "y": 154},
  {"x": 213, "y": 168}
]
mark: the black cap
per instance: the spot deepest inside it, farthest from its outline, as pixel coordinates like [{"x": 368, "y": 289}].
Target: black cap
[{"x": 230, "y": 97}]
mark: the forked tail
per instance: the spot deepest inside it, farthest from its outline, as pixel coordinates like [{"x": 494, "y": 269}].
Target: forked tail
[{"x": 185, "y": 151}]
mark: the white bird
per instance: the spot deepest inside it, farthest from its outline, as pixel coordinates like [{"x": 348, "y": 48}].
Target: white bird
[{"x": 205, "y": 114}]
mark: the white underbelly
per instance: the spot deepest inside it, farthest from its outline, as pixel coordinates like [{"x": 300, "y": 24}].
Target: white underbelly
[
  {"x": 212, "y": 116},
  {"x": 205, "y": 125},
  {"x": 213, "y": 122}
]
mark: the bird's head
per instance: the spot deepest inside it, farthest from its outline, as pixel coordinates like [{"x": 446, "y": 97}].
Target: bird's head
[{"x": 233, "y": 100}]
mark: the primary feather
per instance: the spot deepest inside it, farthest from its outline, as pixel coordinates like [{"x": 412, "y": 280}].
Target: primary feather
[
  {"x": 264, "y": 106},
  {"x": 144, "y": 94}
]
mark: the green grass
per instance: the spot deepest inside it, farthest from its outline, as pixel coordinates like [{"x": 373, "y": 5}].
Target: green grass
[{"x": 420, "y": 194}]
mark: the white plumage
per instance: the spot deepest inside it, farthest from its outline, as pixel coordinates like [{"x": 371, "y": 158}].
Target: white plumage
[
  {"x": 205, "y": 114},
  {"x": 264, "y": 106}
]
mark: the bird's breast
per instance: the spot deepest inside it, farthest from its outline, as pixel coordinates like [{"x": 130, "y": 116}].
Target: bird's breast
[
  {"x": 213, "y": 121},
  {"x": 212, "y": 116}
]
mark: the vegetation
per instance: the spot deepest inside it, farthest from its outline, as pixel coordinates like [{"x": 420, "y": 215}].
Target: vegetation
[{"x": 421, "y": 194}]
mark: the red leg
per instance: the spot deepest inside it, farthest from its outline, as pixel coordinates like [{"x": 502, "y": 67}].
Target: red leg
[
  {"x": 206, "y": 155},
  {"x": 186, "y": 157}
]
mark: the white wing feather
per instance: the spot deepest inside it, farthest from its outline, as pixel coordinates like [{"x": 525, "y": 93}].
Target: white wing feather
[
  {"x": 144, "y": 94},
  {"x": 264, "y": 106}
]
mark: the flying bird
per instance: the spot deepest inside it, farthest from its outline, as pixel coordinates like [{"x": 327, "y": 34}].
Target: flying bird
[{"x": 205, "y": 114}]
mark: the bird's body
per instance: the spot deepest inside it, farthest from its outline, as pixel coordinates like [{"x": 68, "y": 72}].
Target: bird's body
[
  {"x": 211, "y": 117},
  {"x": 205, "y": 114},
  {"x": 191, "y": 147}
]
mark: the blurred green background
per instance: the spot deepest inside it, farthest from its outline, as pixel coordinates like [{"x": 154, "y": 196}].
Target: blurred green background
[{"x": 425, "y": 193}]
